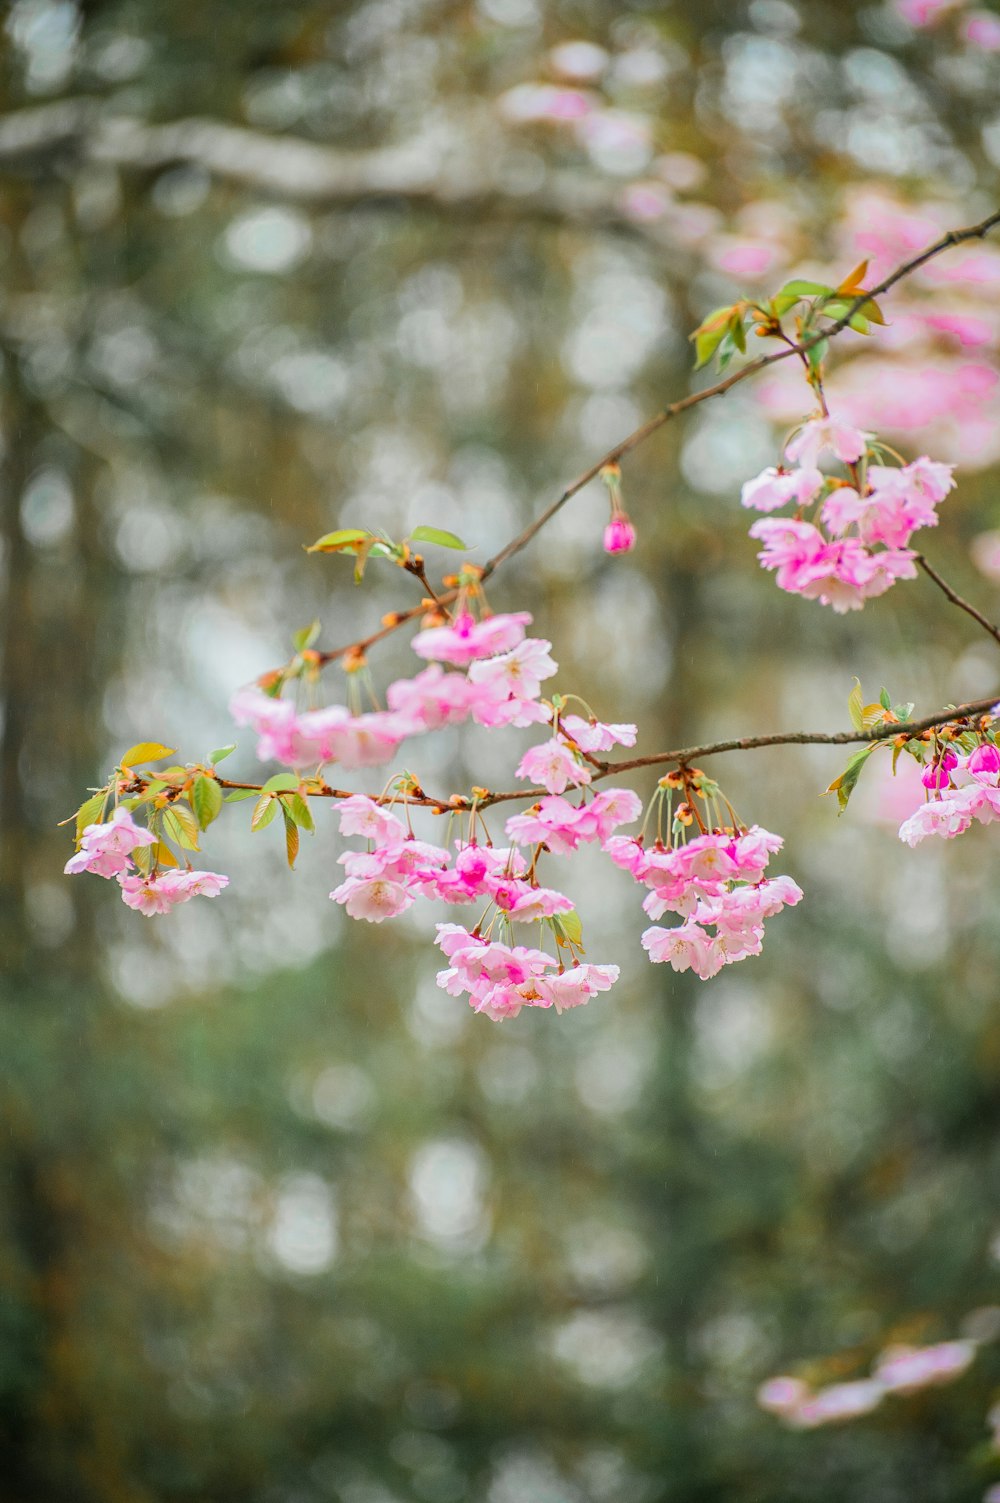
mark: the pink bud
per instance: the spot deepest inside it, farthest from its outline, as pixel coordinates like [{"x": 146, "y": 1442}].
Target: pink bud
[
  {"x": 984, "y": 762},
  {"x": 619, "y": 535}
]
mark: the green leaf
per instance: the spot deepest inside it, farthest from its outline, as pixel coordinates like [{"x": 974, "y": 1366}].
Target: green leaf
[
  {"x": 802, "y": 288},
  {"x": 265, "y": 809},
  {"x": 344, "y": 540},
  {"x": 181, "y": 826},
  {"x": 855, "y": 706},
  {"x": 845, "y": 785},
  {"x": 884, "y": 699},
  {"x": 436, "y": 535},
  {"x": 816, "y": 354},
  {"x": 782, "y": 302},
  {"x": 291, "y": 838},
  {"x": 299, "y": 810},
  {"x": 304, "y": 639},
  {"x": 569, "y": 925},
  {"x": 206, "y": 800},
  {"x": 859, "y": 323},
  {"x": 737, "y": 332},
  {"x": 239, "y": 794},
  {"x": 706, "y": 344},
  {"x": 90, "y": 812},
  {"x": 903, "y": 712},
  {"x": 146, "y": 751},
  {"x": 221, "y": 753},
  {"x": 361, "y": 558},
  {"x": 281, "y": 782}
]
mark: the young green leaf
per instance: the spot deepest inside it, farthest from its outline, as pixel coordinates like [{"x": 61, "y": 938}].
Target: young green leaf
[
  {"x": 299, "y": 810},
  {"x": 291, "y": 837},
  {"x": 146, "y": 751},
  {"x": 801, "y": 288},
  {"x": 90, "y": 812},
  {"x": 845, "y": 785},
  {"x": 304, "y": 639},
  {"x": 206, "y": 800},
  {"x": 221, "y": 753},
  {"x": 265, "y": 809},
  {"x": 436, "y": 535},
  {"x": 344, "y": 540},
  {"x": 181, "y": 826},
  {"x": 281, "y": 782},
  {"x": 855, "y": 706},
  {"x": 239, "y": 794},
  {"x": 884, "y": 699}
]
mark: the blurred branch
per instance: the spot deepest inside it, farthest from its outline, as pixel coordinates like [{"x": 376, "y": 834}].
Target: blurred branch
[
  {"x": 415, "y": 174},
  {"x": 957, "y": 599}
]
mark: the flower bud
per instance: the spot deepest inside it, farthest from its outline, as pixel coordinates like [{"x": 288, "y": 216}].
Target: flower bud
[
  {"x": 984, "y": 762},
  {"x": 619, "y": 535}
]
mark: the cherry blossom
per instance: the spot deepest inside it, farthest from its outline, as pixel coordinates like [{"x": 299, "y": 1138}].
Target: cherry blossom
[
  {"x": 552, "y": 765},
  {"x": 160, "y": 893},
  {"x": 466, "y": 640},
  {"x": 619, "y": 535},
  {"x": 105, "y": 848}
]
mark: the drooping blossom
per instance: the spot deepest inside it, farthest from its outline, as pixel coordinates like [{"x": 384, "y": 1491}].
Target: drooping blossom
[
  {"x": 307, "y": 737},
  {"x": 826, "y": 435},
  {"x": 563, "y": 827},
  {"x": 905, "y": 1369},
  {"x": 777, "y": 487},
  {"x": 594, "y": 735},
  {"x": 375, "y": 898},
  {"x": 105, "y": 848},
  {"x": 500, "y": 979},
  {"x": 467, "y": 640},
  {"x": 619, "y": 535},
  {"x": 161, "y": 892},
  {"x": 553, "y": 766}
]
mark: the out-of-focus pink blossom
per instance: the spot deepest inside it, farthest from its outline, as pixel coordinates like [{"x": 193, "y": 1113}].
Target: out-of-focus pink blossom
[
  {"x": 776, "y": 487},
  {"x": 922, "y": 13},
  {"x": 745, "y": 259},
  {"x": 529, "y": 103},
  {"x": 782, "y": 1395},
  {"x": 646, "y": 202},
  {"x": 981, "y": 28},
  {"x": 839, "y": 1402},
  {"x": 985, "y": 550},
  {"x": 431, "y": 698},
  {"x": 467, "y": 640},
  {"x": 826, "y": 435},
  {"x": 904, "y": 1369}
]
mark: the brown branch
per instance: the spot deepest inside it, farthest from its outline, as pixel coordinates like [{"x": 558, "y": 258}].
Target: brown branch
[
  {"x": 683, "y": 757},
  {"x": 957, "y": 599},
  {"x": 653, "y": 424}
]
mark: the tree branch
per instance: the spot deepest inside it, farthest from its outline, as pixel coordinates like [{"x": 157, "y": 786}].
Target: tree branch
[{"x": 957, "y": 599}]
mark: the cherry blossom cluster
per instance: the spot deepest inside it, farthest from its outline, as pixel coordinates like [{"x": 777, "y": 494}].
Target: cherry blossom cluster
[
  {"x": 716, "y": 883},
  {"x": 961, "y": 787},
  {"x": 108, "y": 850},
  {"x": 854, "y": 546},
  {"x": 899, "y": 1370}
]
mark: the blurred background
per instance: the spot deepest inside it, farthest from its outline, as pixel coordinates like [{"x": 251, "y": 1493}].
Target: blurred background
[{"x": 281, "y": 1222}]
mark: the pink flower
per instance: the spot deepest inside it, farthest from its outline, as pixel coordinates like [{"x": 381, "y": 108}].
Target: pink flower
[
  {"x": 983, "y": 763},
  {"x": 922, "y": 13},
  {"x": 468, "y": 640},
  {"x": 375, "y": 899},
  {"x": 519, "y": 672},
  {"x": 982, "y": 29},
  {"x": 687, "y": 947},
  {"x": 607, "y": 810},
  {"x": 552, "y": 765},
  {"x": 904, "y": 1369},
  {"x": 360, "y": 815},
  {"x": 332, "y": 734},
  {"x": 782, "y": 1395},
  {"x": 158, "y": 894},
  {"x": 432, "y": 699},
  {"x": 594, "y": 736},
  {"x": 105, "y": 848},
  {"x": 948, "y": 816},
  {"x": 773, "y": 488},
  {"x": 524, "y": 902},
  {"x": 825, "y": 435},
  {"x": 576, "y": 986},
  {"x": 619, "y": 535},
  {"x": 938, "y": 774},
  {"x": 627, "y": 853},
  {"x": 841, "y": 1401}
]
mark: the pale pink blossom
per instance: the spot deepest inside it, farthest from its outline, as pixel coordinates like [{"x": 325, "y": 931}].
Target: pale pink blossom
[
  {"x": 360, "y": 815},
  {"x": 982, "y": 29},
  {"x": 467, "y": 640},
  {"x": 841, "y": 1401},
  {"x": 432, "y": 698},
  {"x": 576, "y": 986},
  {"x": 922, "y": 13},
  {"x": 553, "y": 766},
  {"x": 519, "y": 671},
  {"x": 594, "y": 735},
  {"x": 948, "y": 816},
  {"x": 160, "y": 893},
  {"x": 826, "y": 435},
  {"x": 374, "y": 899},
  {"x": 782, "y": 1395},
  {"x": 105, "y": 848},
  {"x": 773, "y": 488},
  {"x": 904, "y": 1369},
  {"x": 688, "y": 947}
]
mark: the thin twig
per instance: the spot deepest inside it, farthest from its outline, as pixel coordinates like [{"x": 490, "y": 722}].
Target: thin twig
[
  {"x": 957, "y": 599},
  {"x": 653, "y": 424}
]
